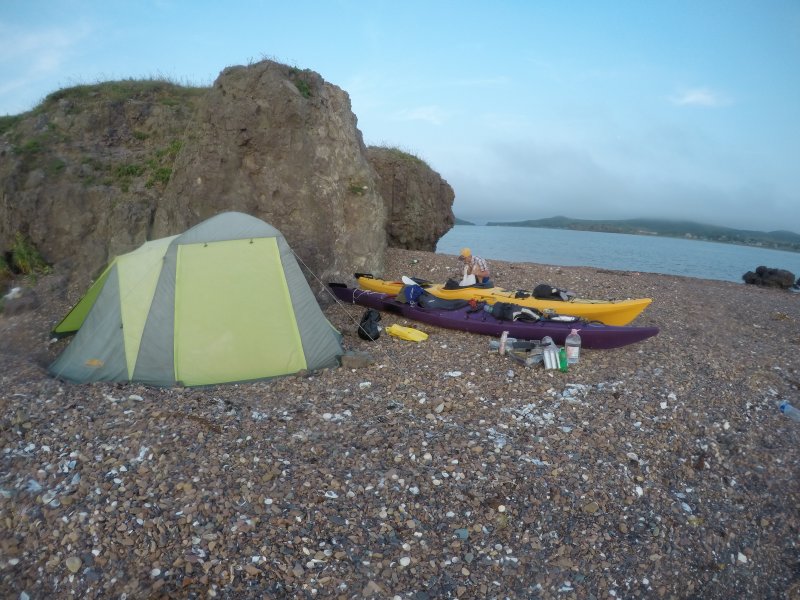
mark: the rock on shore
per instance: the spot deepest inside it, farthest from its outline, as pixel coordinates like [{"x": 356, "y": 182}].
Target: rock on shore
[{"x": 443, "y": 470}]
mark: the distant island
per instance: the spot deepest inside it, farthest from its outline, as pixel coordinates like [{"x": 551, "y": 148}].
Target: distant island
[
  {"x": 462, "y": 222},
  {"x": 776, "y": 240}
]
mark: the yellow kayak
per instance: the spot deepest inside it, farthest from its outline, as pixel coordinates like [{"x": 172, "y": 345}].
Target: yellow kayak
[{"x": 610, "y": 312}]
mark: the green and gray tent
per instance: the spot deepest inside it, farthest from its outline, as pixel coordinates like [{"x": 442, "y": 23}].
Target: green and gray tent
[{"x": 223, "y": 302}]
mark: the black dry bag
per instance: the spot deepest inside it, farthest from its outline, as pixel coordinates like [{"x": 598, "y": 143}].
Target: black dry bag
[
  {"x": 368, "y": 328},
  {"x": 544, "y": 291},
  {"x": 503, "y": 311}
]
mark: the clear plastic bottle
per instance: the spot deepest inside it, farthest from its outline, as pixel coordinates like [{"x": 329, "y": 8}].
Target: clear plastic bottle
[
  {"x": 789, "y": 410},
  {"x": 573, "y": 346},
  {"x": 549, "y": 354}
]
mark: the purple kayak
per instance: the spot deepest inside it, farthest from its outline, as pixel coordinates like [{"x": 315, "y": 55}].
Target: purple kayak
[{"x": 464, "y": 317}]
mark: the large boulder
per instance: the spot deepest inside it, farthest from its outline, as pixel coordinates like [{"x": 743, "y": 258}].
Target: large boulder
[
  {"x": 767, "y": 277},
  {"x": 281, "y": 144},
  {"x": 418, "y": 200}
]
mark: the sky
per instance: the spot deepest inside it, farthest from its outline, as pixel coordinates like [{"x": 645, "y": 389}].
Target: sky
[{"x": 678, "y": 109}]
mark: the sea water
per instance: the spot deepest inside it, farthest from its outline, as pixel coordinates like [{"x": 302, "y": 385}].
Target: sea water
[{"x": 616, "y": 251}]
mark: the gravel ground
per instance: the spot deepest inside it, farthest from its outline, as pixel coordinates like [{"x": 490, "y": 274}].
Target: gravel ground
[{"x": 443, "y": 470}]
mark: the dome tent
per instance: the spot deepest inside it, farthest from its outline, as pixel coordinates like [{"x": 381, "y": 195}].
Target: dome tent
[{"x": 223, "y": 302}]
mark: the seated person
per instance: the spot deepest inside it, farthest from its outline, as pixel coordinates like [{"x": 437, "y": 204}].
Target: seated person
[{"x": 474, "y": 265}]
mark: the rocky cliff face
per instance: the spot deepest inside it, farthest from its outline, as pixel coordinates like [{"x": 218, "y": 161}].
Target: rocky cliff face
[
  {"x": 81, "y": 175},
  {"x": 418, "y": 201},
  {"x": 95, "y": 171},
  {"x": 281, "y": 144}
]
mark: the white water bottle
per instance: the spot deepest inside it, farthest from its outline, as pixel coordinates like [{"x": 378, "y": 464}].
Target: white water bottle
[{"x": 573, "y": 346}]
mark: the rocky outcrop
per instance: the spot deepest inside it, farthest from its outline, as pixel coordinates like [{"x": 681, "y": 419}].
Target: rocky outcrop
[
  {"x": 419, "y": 202},
  {"x": 95, "y": 171},
  {"x": 767, "y": 277},
  {"x": 282, "y": 145},
  {"x": 80, "y": 176}
]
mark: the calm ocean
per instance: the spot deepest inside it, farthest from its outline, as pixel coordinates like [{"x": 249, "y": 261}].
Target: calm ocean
[{"x": 615, "y": 251}]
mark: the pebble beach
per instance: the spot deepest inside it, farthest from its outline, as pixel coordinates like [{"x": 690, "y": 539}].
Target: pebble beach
[{"x": 440, "y": 469}]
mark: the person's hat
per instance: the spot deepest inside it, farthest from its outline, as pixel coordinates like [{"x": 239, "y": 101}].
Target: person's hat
[{"x": 466, "y": 252}]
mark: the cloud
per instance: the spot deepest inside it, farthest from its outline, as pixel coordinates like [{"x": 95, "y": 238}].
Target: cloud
[
  {"x": 429, "y": 114},
  {"x": 30, "y": 58},
  {"x": 529, "y": 179},
  {"x": 699, "y": 97},
  {"x": 45, "y": 49}
]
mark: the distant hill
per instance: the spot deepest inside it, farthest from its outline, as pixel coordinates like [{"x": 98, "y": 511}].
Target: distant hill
[
  {"x": 778, "y": 240},
  {"x": 463, "y": 222}
]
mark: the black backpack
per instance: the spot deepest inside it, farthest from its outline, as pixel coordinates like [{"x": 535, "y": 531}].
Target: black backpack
[
  {"x": 503, "y": 311},
  {"x": 368, "y": 328}
]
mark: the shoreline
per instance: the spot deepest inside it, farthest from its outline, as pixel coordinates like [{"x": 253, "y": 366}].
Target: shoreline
[
  {"x": 617, "y": 252},
  {"x": 661, "y": 469},
  {"x": 680, "y": 236}
]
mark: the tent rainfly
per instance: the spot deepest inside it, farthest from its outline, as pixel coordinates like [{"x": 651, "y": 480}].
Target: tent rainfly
[{"x": 223, "y": 302}]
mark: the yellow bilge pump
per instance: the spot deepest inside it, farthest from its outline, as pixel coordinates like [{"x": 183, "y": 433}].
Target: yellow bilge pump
[{"x": 406, "y": 333}]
